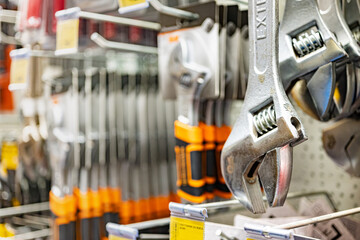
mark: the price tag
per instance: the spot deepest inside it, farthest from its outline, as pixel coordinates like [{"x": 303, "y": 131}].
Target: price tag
[
  {"x": 184, "y": 229},
  {"x": 9, "y": 155},
  {"x": 19, "y": 68},
  {"x": 132, "y": 5},
  {"x": 67, "y": 31}
]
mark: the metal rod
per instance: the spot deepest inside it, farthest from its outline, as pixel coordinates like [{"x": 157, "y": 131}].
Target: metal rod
[
  {"x": 149, "y": 236},
  {"x": 217, "y": 205},
  {"x": 228, "y": 203},
  {"x": 150, "y": 224},
  {"x": 8, "y": 16},
  {"x": 241, "y": 2},
  {"x": 318, "y": 219},
  {"x": 30, "y": 208},
  {"x": 34, "y": 235},
  {"x": 51, "y": 54},
  {"x": 175, "y": 12},
  {"x": 102, "y": 42},
  {"x": 120, "y": 20}
]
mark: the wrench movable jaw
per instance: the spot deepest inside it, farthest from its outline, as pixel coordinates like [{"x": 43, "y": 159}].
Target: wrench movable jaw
[{"x": 275, "y": 174}]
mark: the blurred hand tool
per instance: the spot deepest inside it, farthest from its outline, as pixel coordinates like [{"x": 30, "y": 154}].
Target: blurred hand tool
[
  {"x": 142, "y": 204},
  {"x": 114, "y": 193},
  {"x": 191, "y": 79},
  {"x": 259, "y": 147},
  {"x": 341, "y": 142}
]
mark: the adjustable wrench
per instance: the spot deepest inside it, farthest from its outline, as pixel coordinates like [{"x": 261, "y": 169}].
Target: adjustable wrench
[
  {"x": 309, "y": 49},
  {"x": 305, "y": 40},
  {"x": 331, "y": 12},
  {"x": 192, "y": 78},
  {"x": 259, "y": 147}
]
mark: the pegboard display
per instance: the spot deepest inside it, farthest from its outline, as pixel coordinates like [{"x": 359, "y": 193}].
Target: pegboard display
[{"x": 314, "y": 171}]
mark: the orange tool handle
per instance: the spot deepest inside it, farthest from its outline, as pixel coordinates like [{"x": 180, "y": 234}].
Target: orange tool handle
[
  {"x": 189, "y": 162},
  {"x": 84, "y": 213},
  {"x": 127, "y": 212},
  {"x": 64, "y": 212},
  {"x": 210, "y": 158},
  {"x": 106, "y": 204},
  {"x": 221, "y": 134}
]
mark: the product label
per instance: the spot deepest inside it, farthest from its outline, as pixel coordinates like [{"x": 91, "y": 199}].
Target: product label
[
  {"x": 184, "y": 229},
  {"x": 67, "y": 36}
]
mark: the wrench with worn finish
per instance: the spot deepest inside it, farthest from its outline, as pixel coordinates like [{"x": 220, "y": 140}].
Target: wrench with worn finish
[{"x": 259, "y": 147}]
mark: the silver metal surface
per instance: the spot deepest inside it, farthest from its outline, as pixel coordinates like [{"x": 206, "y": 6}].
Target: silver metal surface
[
  {"x": 188, "y": 210},
  {"x": 244, "y": 150},
  {"x": 173, "y": 11},
  {"x": 34, "y": 235},
  {"x": 190, "y": 77},
  {"x": 333, "y": 16},
  {"x": 30, "y": 208},
  {"x": 149, "y": 236},
  {"x": 8, "y": 16},
  {"x": 102, "y": 42},
  {"x": 321, "y": 87},
  {"x": 194, "y": 51},
  {"x": 119, "y": 20},
  {"x": 150, "y": 224},
  {"x": 314, "y": 170},
  {"x": 237, "y": 233},
  {"x": 318, "y": 219},
  {"x": 341, "y": 142},
  {"x": 300, "y": 17}
]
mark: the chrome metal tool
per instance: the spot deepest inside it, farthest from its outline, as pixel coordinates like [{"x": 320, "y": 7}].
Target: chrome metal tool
[
  {"x": 341, "y": 142},
  {"x": 259, "y": 148}
]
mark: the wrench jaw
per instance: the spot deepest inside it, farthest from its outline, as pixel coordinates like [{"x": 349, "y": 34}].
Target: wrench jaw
[
  {"x": 275, "y": 174},
  {"x": 249, "y": 159}
]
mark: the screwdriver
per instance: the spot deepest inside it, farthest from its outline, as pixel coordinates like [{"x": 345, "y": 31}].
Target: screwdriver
[
  {"x": 82, "y": 192},
  {"x": 121, "y": 148},
  {"x": 104, "y": 189},
  {"x": 127, "y": 204},
  {"x": 62, "y": 201},
  {"x": 142, "y": 204},
  {"x": 154, "y": 154},
  {"x": 114, "y": 191}
]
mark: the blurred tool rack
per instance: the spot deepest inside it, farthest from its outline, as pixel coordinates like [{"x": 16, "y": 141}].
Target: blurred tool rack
[{"x": 314, "y": 172}]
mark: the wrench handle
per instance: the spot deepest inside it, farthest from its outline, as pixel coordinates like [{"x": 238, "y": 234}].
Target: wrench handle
[
  {"x": 189, "y": 162},
  {"x": 209, "y": 152},
  {"x": 64, "y": 212},
  {"x": 221, "y": 134},
  {"x": 127, "y": 211},
  {"x": 84, "y": 213}
]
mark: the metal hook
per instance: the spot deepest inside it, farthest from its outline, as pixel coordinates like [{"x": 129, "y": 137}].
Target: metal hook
[
  {"x": 103, "y": 43},
  {"x": 175, "y": 12},
  {"x": 8, "y": 16}
]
